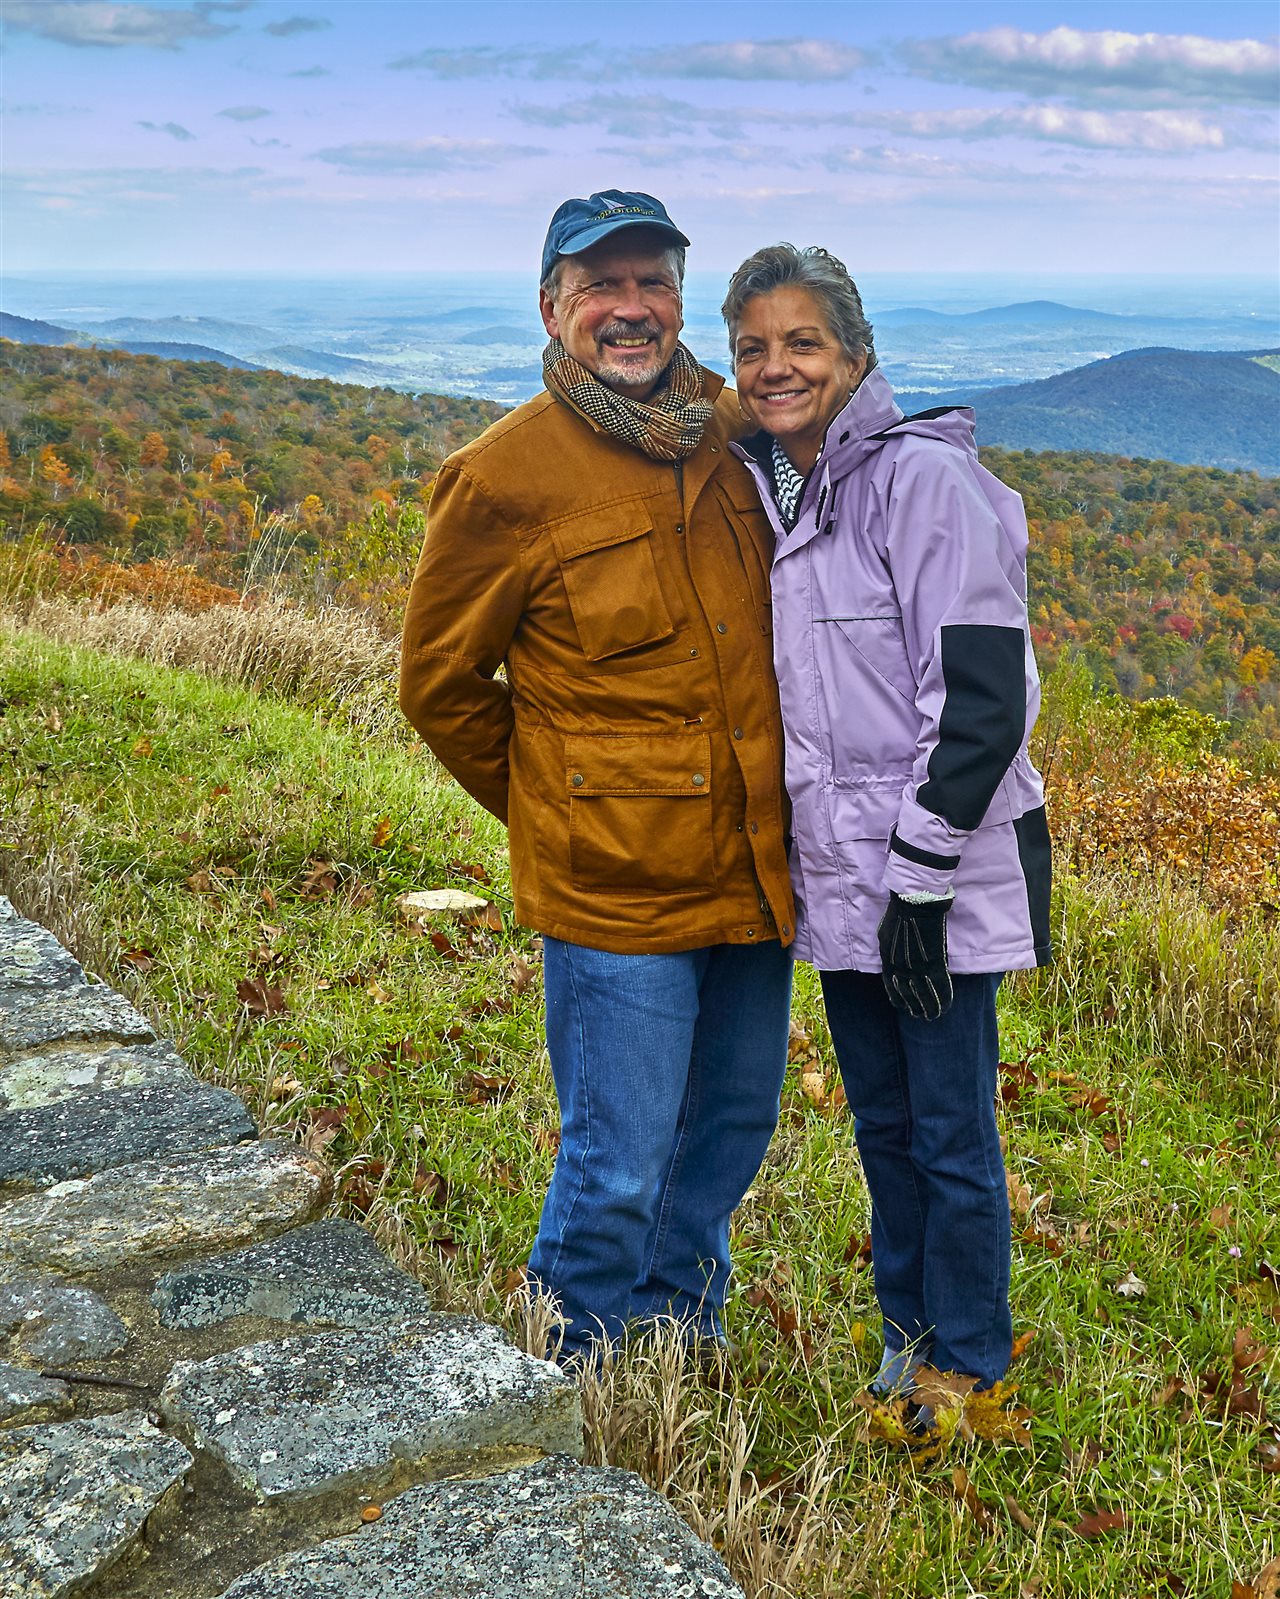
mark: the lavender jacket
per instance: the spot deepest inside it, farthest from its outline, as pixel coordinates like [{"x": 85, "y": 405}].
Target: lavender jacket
[{"x": 909, "y": 689}]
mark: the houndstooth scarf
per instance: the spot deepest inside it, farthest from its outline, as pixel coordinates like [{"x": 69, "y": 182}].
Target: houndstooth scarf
[{"x": 666, "y": 427}]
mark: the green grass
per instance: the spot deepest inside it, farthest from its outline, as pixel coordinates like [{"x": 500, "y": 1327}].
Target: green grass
[{"x": 110, "y": 780}]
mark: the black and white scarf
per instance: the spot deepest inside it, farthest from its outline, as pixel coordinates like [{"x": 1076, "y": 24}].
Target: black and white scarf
[
  {"x": 668, "y": 426},
  {"x": 788, "y": 485}
]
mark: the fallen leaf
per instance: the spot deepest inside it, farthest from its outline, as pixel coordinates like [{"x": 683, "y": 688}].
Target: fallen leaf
[
  {"x": 1095, "y": 1523},
  {"x": 477, "y": 874},
  {"x": 259, "y": 999},
  {"x": 377, "y": 993},
  {"x": 1020, "y": 1517},
  {"x": 141, "y": 751},
  {"x": 318, "y": 880},
  {"x": 1021, "y": 1344},
  {"x": 141, "y": 960},
  {"x": 1131, "y": 1286},
  {"x": 381, "y": 832},
  {"x": 53, "y": 721},
  {"x": 813, "y": 1085},
  {"x": 219, "y": 792},
  {"x": 858, "y": 1249},
  {"x": 478, "y": 1088},
  {"x": 284, "y": 1087},
  {"x": 1266, "y": 1585},
  {"x": 202, "y": 882},
  {"x": 432, "y": 1187},
  {"x": 547, "y": 1139},
  {"x": 968, "y": 1496},
  {"x": 521, "y": 974},
  {"x": 442, "y": 946}
]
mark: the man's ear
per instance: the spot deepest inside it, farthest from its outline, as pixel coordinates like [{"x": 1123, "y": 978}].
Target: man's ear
[{"x": 547, "y": 306}]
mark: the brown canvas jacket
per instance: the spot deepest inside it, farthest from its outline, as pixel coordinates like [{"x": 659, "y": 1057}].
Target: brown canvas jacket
[{"x": 634, "y": 748}]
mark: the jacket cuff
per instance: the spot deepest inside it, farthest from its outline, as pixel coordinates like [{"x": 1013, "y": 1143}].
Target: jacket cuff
[{"x": 924, "y": 852}]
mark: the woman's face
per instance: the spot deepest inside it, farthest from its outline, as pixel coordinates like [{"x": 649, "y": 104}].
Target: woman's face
[{"x": 792, "y": 373}]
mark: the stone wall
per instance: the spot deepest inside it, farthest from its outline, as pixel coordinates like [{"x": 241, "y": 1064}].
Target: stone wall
[{"x": 209, "y": 1390}]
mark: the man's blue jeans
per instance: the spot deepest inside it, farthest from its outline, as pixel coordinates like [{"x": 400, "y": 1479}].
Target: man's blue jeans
[
  {"x": 668, "y": 1069},
  {"x": 923, "y": 1099}
]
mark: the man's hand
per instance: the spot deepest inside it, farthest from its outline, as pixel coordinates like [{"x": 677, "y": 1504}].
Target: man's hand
[{"x": 913, "y": 950}]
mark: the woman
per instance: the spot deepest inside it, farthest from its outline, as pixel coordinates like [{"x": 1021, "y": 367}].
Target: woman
[{"x": 920, "y": 853}]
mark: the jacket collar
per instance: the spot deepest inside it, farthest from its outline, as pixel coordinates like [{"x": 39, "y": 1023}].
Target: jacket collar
[{"x": 858, "y": 430}]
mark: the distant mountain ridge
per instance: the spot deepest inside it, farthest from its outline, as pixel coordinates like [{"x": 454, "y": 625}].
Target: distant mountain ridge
[
  {"x": 1197, "y": 408},
  {"x": 27, "y": 330},
  {"x": 1032, "y": 314}
]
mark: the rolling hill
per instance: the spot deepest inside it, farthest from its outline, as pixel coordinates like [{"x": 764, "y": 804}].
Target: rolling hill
[{"x": 1193, "y": 407}]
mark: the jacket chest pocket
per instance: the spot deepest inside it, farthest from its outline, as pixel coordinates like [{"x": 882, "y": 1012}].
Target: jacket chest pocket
[
  {"x": 610, "y": 573},
  {"x": 640, "y": 813}
]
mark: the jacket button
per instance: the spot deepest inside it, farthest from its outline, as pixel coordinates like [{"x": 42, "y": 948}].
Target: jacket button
[
  {"x": 698, "y": 780},
  {"x": 754, "y": 828},
  {"x": 738, "y": 828},
  {"x": 693, "y": 652},
  {"x": 578, "y": 780},
  {"x": 786, "y": 931},
  {"x": 722, "y": 627},
  {"x": 751, "y": 932},
  {"x": 737, "y": 732},
  {"x": 679, "y": 527},
  {"x": 715, "y": 449}
]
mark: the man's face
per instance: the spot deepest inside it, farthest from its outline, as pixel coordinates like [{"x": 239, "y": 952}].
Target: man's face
[{"x": 617, "y": 310}]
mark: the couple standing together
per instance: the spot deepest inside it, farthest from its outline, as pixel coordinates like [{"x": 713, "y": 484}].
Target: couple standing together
[{"x": 768, "y": 686}]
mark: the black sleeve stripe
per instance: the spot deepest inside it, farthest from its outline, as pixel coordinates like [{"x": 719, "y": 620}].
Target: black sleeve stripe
[
  {"x": 922, "y": 857},
  {"x": 1035, "y": 855},
  {"x": 984, "y": 715}
]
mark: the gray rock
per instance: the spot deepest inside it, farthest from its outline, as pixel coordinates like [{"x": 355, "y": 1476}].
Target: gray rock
[
  {"x": 27, "y": 1396},
  {"x": 97, "y": 1131},
  {"x": 328, "y": 1410},
  {"x": 56, "y": 1322},
  {"x": 74, "y": 1497},
  {"x": 552, "y": 1530},
  {"x": 191, "y": 1204},
  {"x": 331, "y": 1272},
  {"x": 31, "y": 959},
  {"x": 30, "y": 1019},
  {"x": 49, "y": 1075}
]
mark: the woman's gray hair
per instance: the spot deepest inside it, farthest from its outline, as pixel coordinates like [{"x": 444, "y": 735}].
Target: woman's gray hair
[{"x": 782, "y": 266}]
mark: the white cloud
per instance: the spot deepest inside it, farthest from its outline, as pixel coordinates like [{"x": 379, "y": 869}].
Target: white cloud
[
  {"x": 1158, "y": 132},
  {"x": 175, "y": 130},
  {"x": 438, "y": 154},
  {"x": 310, "y": 72},
  {"x": 754, "y": 60},
  {"x": 244, "y": 113},
  {"x": 103, "y": 22},
  {"x": 1105, "y": 66},
  {"x": 786, "y": 60}
]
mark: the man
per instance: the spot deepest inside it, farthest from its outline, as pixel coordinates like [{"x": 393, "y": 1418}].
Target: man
[{"x": 603, "y": 544}]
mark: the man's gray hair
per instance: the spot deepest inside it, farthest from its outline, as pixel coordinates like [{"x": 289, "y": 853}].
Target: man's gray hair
[
  {"x": 674, "y": 253},
  {"x": 782, "y": 266}
]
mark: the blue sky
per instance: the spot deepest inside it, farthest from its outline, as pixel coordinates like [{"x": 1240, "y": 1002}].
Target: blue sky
[{"x": 245, "y": 135}]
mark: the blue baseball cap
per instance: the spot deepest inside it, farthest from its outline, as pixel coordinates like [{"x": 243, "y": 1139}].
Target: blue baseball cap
[{"x": 578, "y": 224}]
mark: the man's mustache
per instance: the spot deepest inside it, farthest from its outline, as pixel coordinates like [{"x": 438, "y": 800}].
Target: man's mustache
[{"x": 629, "y": 330}]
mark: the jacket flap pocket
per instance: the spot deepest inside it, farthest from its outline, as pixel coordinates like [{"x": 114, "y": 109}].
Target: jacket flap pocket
[
  {"x": 624, "y": 763},
  {"x": 866, "y": 812},
  {"x": 599, "y": 530},
  {"x": 739, "y": 488}
]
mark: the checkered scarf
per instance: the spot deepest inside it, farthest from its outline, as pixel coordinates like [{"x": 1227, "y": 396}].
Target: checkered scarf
[{"x": 666, "y": 427}]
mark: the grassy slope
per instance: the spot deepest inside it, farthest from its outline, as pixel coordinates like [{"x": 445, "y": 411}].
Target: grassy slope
[{"x": 120, "y": 768}]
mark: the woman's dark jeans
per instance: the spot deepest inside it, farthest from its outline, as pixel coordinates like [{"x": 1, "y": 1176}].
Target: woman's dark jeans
[{"x": 923, "y": 1100}]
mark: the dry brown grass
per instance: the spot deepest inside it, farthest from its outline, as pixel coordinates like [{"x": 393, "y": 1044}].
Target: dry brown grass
[{"x": 331, "y": 659}]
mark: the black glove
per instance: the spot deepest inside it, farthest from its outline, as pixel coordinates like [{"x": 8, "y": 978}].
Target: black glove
[{"x": 913, "y": 950}]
